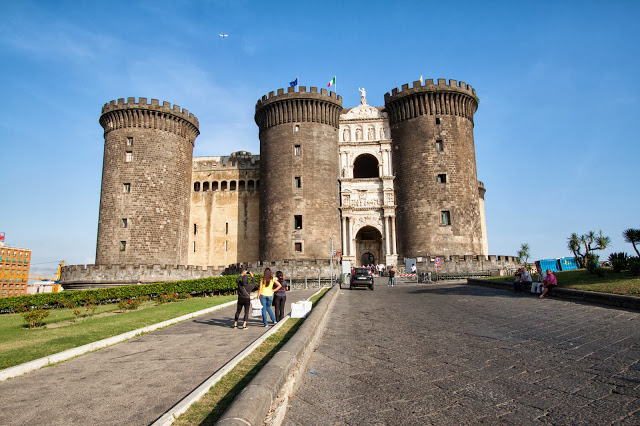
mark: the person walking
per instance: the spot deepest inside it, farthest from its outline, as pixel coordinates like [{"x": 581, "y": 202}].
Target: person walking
[
  {"x": 268, "y": 284},
  {"x": 245, "y": 287},
  {"x": 549, "y": 283},
  {"x": 280, "y": 296},
  {"x": 392, "y": 276}
]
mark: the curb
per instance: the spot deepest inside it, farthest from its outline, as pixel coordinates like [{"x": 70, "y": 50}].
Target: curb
[
  {"x": 252, "y": 405},
  {"x": 170, "y": 416},
  {"x": 615, "y": 300},
  {"x": 27, "y": 367}
]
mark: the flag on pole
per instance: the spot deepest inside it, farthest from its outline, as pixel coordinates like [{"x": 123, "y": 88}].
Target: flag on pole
[
  {"x": 421, "y": 79},
  {"x": 293, "y": 83},
  {"x": 332, "y": 82}
]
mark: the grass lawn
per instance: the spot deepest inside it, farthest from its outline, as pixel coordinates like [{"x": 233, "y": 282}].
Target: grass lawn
[
  {"x": 616, "y": 283},
  {"x": 18, "y": 344},
  {"x": 215, "y": 402}
]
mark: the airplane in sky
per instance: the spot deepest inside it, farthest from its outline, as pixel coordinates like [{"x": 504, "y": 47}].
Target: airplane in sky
[{"x": 223, "y": 35}]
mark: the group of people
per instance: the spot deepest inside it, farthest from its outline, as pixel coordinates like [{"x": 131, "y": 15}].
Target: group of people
[
  {"x": 376, "y": 269},
  {"x": 272, "y": 291},
  {"x": 545, "y": 284}
]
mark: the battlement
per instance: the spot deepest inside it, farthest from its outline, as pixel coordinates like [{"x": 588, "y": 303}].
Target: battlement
[
  {"x": 142, "y": 104},
  {"x": 429, "y": 86},
  {"x": 237, "y": 160},
  {"x": 302, "y": 93}
]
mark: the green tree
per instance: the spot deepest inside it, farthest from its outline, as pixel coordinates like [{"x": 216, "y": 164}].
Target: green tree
[
  {"x": 632, "y": 236},
  {"x": 523, "y": 254},
  {"x": 582, "y": 246}
]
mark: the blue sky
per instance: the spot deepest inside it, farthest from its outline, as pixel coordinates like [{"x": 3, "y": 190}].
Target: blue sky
[{"x": 556, "y": 130}]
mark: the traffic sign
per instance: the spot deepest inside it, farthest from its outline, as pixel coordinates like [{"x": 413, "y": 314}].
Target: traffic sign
[{"x": 438, "y": 261}]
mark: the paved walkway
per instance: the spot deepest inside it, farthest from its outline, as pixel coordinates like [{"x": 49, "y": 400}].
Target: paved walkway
[
  {"x": 133, "y": 382},
  {"x": 461, "y": 354}
]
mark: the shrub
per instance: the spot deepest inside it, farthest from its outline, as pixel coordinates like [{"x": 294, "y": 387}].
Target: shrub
[
  {"x": 222, "y": 285},
  {"x": 618, "y": 261},
  {"x": 35, "y": 317},
  {"x": 593, "y": 263},
  {"x": 634, "y": 265},
  {"x": 129, "y": 305},
  {"x": 184, "y": 295},
  {"x": 76, "y": 312}
]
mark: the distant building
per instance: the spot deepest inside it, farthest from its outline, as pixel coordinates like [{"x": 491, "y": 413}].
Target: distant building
[{"x": 14, "y": 270}]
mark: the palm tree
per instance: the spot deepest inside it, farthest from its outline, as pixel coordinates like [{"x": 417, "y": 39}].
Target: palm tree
[
  {"x": 523, "y": 254},
  {"x": 632, "y": 236}
]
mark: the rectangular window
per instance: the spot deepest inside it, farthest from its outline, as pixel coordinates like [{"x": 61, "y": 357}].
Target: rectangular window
[
  {"x": 298, "y": 247},
  {"x": 194, "y": 246},
  {"x": 297, "y": 127},
  {"x": 439, "y": 146},
  {"x": 123, "y": 245},
  {"x": 437, "y": 121},
  {"x": 126, "y": 187},
  {"x": 297, "y": 150},
  {"x": 298, "y": 181},
  {"x": 297, "y": 222},
  {"x": 130, "y": 141},
  {"x": 446, "y": 218},
  {"x": 129, "y": 157},
  {"x": 226, "y": 228},
  {"x": 226, "y": 245},
  {"x": 195, "y": 229},
  {"x": 124, "y": 222},
  {"x": 442, "y": 178}
]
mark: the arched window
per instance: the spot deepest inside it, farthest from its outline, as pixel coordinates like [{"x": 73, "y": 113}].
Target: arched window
[
  {"x": 242, "y": 185},
  {"x": 365, "y": 166},
  {"x": 196, "y": 186},
  {"x": 214, "y": 185},
  {"x": 232, "y": 185},
  {"x": 205, "y": 186},
  {"x": 251, "y": 185},
  {"x": 223, "y": 185}
]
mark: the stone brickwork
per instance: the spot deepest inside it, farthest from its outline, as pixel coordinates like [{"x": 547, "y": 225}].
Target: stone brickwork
[
  {"x": 146, "y": 174},
  {"x": 298, "y": 138},
  {"x": 77, "y": 277},
  {"x": 224, "y": 210},
  {"x": 435, "y": 168}
]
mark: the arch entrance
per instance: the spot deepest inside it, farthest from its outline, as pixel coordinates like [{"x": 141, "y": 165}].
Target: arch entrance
[{"x": 369, "y": 245}]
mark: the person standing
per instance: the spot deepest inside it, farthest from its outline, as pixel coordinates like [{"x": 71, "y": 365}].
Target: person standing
[
  {"x": 549, "y": 283},
  {"x": 392, "y": 276},
  {"x": 268, "y": 284},
  {"x": 280, "y": 297},
  {"x": 245, "y": 287}
]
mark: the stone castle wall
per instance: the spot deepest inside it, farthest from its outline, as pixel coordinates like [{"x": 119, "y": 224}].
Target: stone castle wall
[
  {"x": 224, "y": 210},
  {"x": 435, "y": 168},
  {"x": 298, "y": 139},
  {"x": 146, "y": 174}
]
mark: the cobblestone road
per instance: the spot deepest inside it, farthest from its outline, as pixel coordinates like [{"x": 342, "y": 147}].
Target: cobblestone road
[{"x": 458, "y": 354}]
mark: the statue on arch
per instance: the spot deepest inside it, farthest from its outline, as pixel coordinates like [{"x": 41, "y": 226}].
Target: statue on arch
[
  {"x": 346, "y": 135},
  {"x": 363, "y": 96}
]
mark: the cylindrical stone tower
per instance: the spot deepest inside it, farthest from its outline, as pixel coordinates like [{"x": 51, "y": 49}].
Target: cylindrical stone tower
[
  {"x": 146, "y": 180},
  {"x": 299, "y": 191},
  {"x": 436, "y": 185}
]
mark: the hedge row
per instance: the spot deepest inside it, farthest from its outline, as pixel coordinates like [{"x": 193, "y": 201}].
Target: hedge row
[{"x": 224, "y": 284}]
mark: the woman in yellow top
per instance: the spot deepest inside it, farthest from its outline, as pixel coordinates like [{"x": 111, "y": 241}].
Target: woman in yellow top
[{"x": 268, "y": 284}]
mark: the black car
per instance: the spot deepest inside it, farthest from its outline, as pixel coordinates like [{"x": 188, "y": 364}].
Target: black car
[{"x": 361, "y": 277}]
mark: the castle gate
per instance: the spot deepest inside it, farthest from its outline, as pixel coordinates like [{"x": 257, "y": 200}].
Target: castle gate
[{"x": 368, "y": 246}]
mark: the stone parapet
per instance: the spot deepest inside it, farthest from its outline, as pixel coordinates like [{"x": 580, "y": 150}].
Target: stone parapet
[
  {"x": 90, "y": 276},
  {"x": 463, "y": 264}
]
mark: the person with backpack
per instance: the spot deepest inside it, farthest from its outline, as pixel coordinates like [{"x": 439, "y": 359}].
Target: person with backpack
[{"x": 244, "y": 297}]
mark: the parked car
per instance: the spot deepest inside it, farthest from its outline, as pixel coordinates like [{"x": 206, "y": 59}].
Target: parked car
[{"x": 361, "y": 277}]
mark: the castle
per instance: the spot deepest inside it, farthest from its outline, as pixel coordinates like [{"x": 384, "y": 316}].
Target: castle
[{"x": 383, "y": 183}]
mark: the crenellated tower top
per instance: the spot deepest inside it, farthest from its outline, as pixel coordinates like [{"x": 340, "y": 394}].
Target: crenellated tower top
[
  {"x": 302, "y": 106},
  {"x": 120, "y": 114},
  {"x": 453, "y": 98}
]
